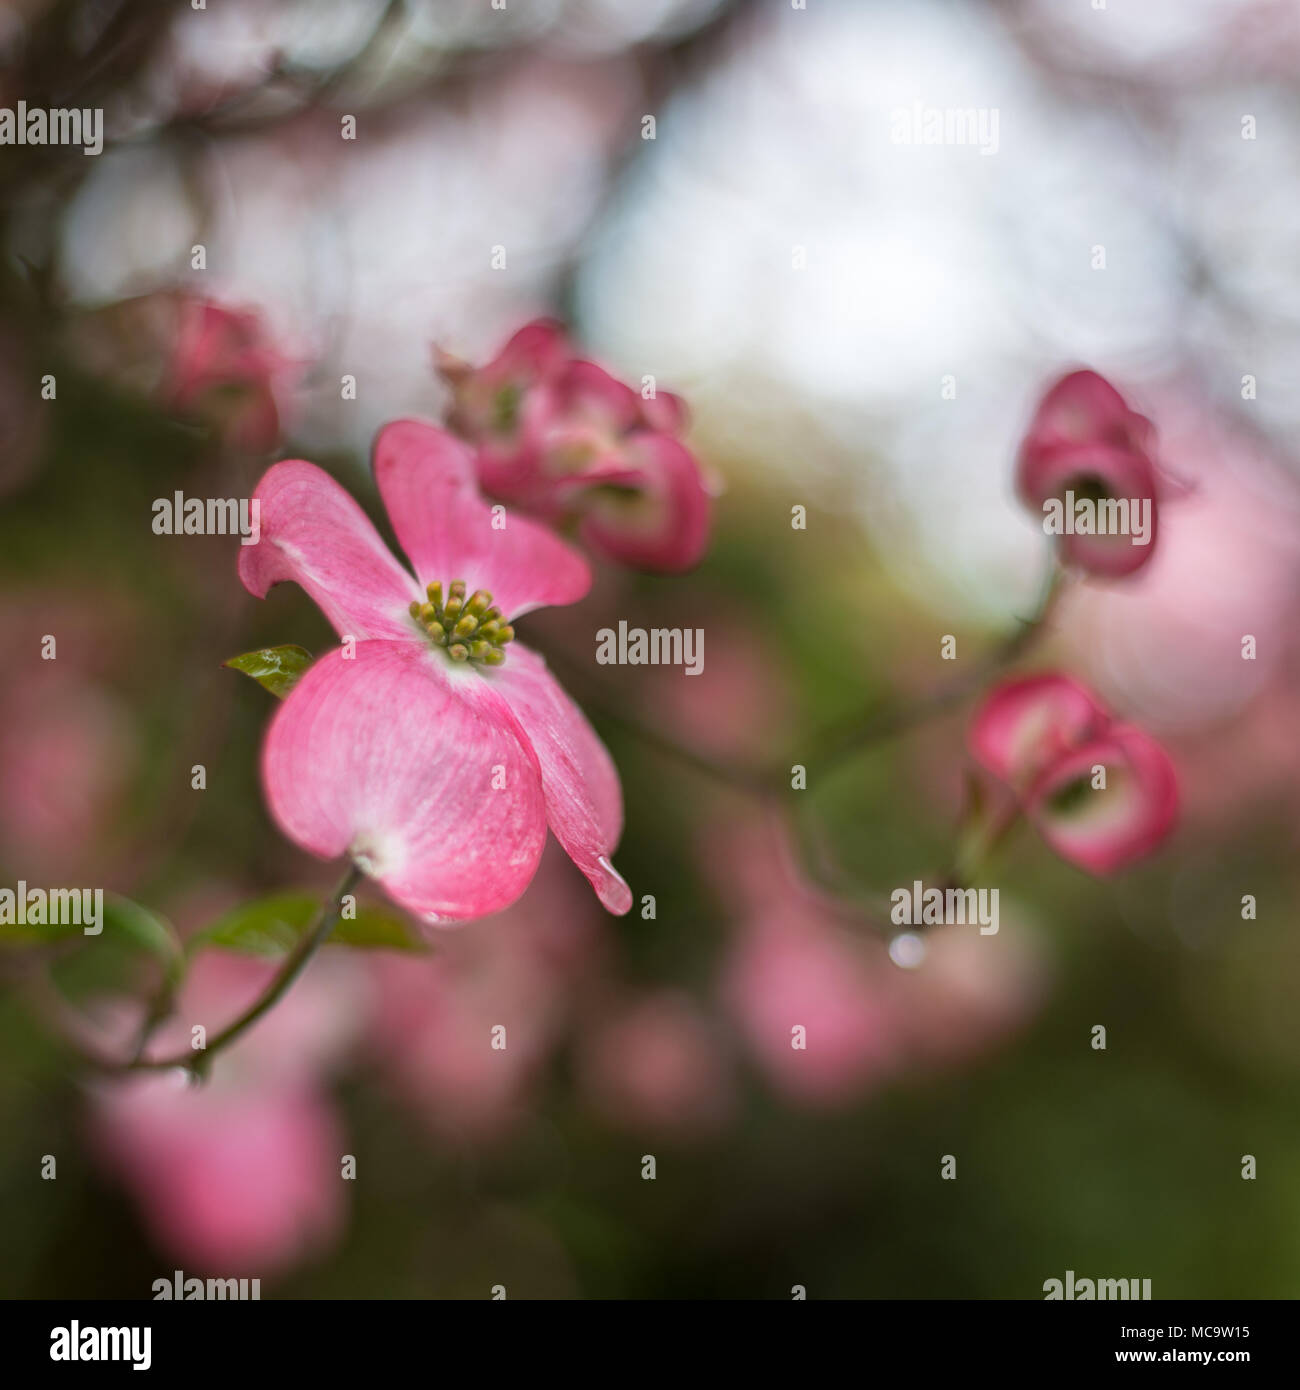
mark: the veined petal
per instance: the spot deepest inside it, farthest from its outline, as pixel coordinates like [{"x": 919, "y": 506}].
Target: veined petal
[
  {"x": 433, "y": 793},
  {"x": 584, "y": 801},
  {"x": 659, "y": 522},
  {"x": 427, "y": 480},
  {"x": 1103, "y": 829},
  {"x": 1024, "y": 726},
  {"x": 315, "y": 534}
]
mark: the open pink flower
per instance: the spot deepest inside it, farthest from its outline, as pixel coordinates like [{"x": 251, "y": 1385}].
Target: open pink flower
[
  {"x": 431, "y": 748},
  {"x": 560, "y": 437},
  {"x": 1085, "y": 447},
  {"x": 1102, "y": 794}
]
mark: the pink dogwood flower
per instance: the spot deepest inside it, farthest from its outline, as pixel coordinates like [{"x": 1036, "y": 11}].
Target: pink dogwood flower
[
  {"x": 431, "y": 748},
  {"x": 1084, "y": 445},
  {"x": 1047, "y": 737},
  {"x": 560, "y": 437}
]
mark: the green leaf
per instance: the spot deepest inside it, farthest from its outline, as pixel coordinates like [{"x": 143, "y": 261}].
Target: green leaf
[
  {"x": 271, "y": 926},
  {"x": 124, "y": 923},
  {"x": 136, "y": 926},
  {"x": 276, "y": 669}
]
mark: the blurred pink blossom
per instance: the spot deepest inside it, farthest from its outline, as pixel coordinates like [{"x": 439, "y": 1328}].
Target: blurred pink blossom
[
  {"x": 68, "y": 745},
  {"x": 1085, "y": 441},
  {"x": 196, "y": 358},
  {"x": 656, "y": 1062},
  {"x": 240, "y": 1175},
  {"x": 466, "y": 1032},
  {"x": 560, "y": 437},
  {"x": 1170, "y": 646},
  {"x": 802, "y": 960},
  {"x": 1047, "y": 737},
  {"x": 224, "y": 369},
  {"x": 969, "y": 992},
  {"x": 806, "y": 994}
]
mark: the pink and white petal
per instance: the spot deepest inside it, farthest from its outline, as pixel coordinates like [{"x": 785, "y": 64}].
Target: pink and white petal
[
  {"x": 661, "y": 522},
  {"x": 1025, "y": 726},
  {"x": 1107, "y": 828},
  {"x": 534, "y": 351},
  {"x": 584, "y": 799},
  {"x": 586, "y": 391},
  {"x": 314, "y": 533},
  {"x": 431, "y": 791},
  {"x": 1084, "y": 408},
  {"x": 426, "y": 477}
]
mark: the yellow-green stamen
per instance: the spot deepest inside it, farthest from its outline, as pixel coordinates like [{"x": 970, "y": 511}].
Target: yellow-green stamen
[{"x": 469, "y": 629}]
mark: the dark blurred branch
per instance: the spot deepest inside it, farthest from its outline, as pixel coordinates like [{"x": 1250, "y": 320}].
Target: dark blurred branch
[
  {"x": 904, "y": 713},
  {"x": 197, "y": 1061}
]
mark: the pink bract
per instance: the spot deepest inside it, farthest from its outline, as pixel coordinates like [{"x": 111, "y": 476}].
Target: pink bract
[
  {"x": 1105, "y": 829},
  {"x": 1084, "y": 439},
  {"x": 1044, "y": 736},
  {"x": 224, "y": 368},
  {"x": 438, "y": 778},
  {"x": 1026, "y": 725},
  {"x": 562, "y": 438}
]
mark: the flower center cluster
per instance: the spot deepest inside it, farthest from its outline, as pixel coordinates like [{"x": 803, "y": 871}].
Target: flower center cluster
[{"x": 471, "y": 629}]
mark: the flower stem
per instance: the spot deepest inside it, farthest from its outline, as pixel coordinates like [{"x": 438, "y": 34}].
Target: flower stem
[{"x": 199, "y": 1060}]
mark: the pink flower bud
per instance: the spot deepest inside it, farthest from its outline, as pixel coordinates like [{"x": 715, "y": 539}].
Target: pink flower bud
[
  {"x": 559, "y": 437},
  {"x": 1086, "y": 465},
  {"x": 1109, "y": 803},
  {"x": 1102, "y": 794},
  {"x": 1025, "y": 726}
]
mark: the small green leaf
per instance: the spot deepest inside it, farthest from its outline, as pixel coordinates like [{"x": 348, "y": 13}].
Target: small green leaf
[
  {"x": 123, "y": 923},
  {"x": 271, "y": 926},
  {"x": 276, "y": 669},
  {"x": 136, "y": 926}
]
